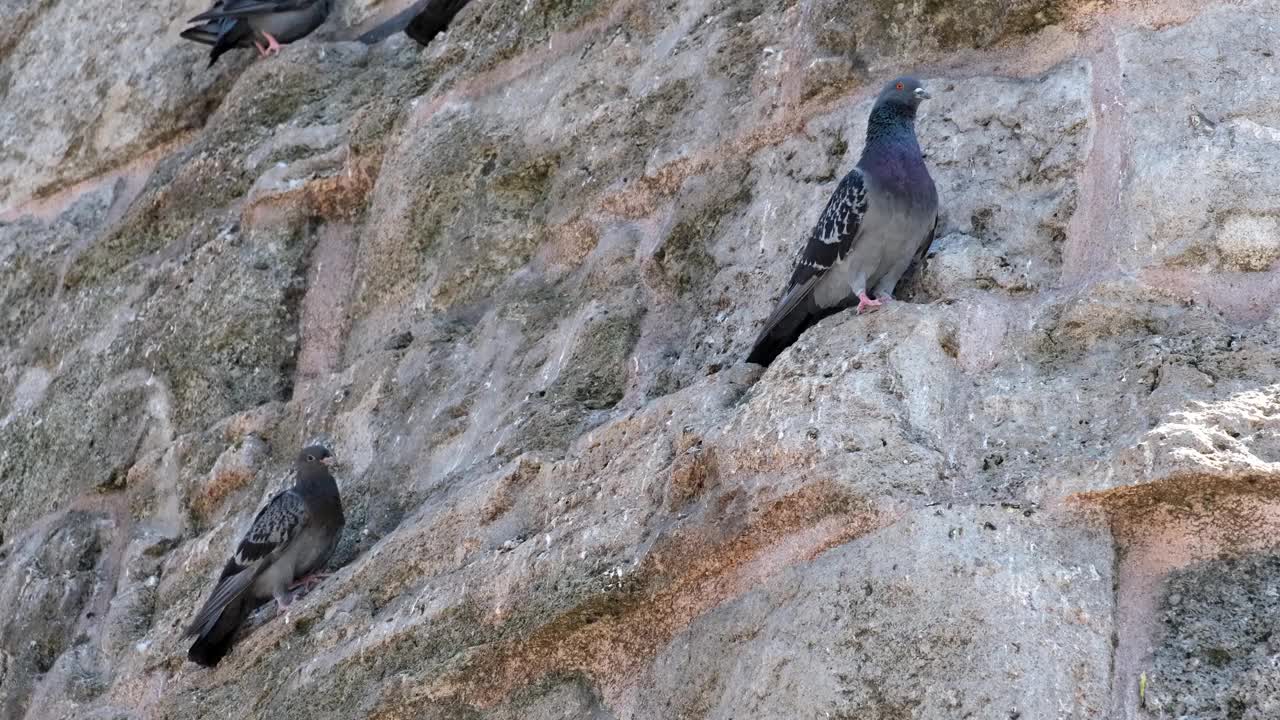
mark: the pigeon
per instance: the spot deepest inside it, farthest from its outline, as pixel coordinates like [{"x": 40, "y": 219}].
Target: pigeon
[
  {"x": 264, "y": 24},
  {"x": 433, "y": 19},
  {"x": 878, "y": 223},
  {"x": 421, "y": 21},
  {"x": 291, "y": 539},
  {"x": 222, "y": 33}
]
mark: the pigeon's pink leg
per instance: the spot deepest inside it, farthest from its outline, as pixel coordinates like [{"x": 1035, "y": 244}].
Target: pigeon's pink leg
[
  {"x": 308, "y": 582},
  {"x": 273, "y": 47},
  {"x": 283, "y": 600},
  {"x": 866, "y": 302},
  {"x": 262, "y": 49}
]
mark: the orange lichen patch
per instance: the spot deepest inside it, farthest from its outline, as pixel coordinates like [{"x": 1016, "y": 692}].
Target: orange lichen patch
[
  {"x": 1164, "y": 526},
  {"x": 255, "y": 421},
  {"x": 342, "y": 195},
  {"x": 643, "y": 196},
  {"x": 570, "y": 243},
  {"x": 769, "y": 134},
  {"x": 691, "y": 472},
  {"x": 1231, "y": 511},
  {"x": 509, "y": 486},
  {"x": 345, "y": 195},
  {"x": 685, "y": 440},
  {"x": 142, "y": 472},
  {"x": 609, "y": 636},
  {"x": 223, "y": 482}
]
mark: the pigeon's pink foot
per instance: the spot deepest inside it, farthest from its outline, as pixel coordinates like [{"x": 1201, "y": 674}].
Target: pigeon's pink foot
[
  {"x": 308, "y": 582},
  {"x": 865, "y": 302},
  {"x": 284, "y": 601},
  {"x": 273, "y": 46}
]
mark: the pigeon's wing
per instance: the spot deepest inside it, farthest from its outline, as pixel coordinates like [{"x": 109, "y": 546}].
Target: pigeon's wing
[
  {"x": 833, "y": 237},
  {"x": 273, "y": 529},
  {"x": 249, "y": 8},
  {"x": 206, "y": 34},
  {"x": 920, "y": 262},
  {"x": 223, "y": 34},
  {"x": 836, "y": 232},
  {"x": 215, "y": 11}
]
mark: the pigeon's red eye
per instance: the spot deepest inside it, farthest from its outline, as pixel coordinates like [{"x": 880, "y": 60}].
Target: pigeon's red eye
[{"x": 899, "y": 86}]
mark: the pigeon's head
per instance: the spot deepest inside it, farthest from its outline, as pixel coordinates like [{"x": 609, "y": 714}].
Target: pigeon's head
[
  {"x": 904, "y": 91},
  {"x": 315, "y": 455}
]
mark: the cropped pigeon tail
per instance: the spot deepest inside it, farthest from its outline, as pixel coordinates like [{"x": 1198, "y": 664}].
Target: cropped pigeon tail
[
  {"x": 433, "y": 19},
  {"x": 785, "y": 328},
  {"x": 212, "y": 645}
]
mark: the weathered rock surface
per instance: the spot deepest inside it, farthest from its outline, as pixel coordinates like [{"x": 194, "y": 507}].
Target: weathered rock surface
[{"x": 511, "y": 277}]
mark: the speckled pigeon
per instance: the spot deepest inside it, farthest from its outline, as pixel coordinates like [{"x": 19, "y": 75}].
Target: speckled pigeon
[
  {"x": 879, "y": 221},
  {"x": 266, "y": 24},
  {"x": 291, "y": 539}
]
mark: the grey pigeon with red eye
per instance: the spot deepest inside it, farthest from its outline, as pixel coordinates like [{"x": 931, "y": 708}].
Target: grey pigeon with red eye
[
  {"x": 264, "y": 24},
  {"x": 878, "y": 223},
  {"x": 289, "y": 542}
]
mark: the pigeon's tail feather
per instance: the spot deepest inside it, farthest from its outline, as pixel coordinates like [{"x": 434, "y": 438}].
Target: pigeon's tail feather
[
  {"x": 433, "y": 19},
  {"x": 223, "y": 35},
  {"x": 797, "y": 312},
  {"x": 229, "y": 590},
  {"x": 212, "y": 644},
  {"x": 780, "y": 336},
  {"x": 202, "y": 34},
  {"x": 218, "y": 51}
]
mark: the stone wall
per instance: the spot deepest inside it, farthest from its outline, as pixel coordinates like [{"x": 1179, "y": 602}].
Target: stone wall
[{"x": 510, "y": 278}]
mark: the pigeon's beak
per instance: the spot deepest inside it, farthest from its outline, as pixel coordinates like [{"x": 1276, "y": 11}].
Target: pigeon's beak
[
  {"x": 328, "y": 461},
  {"x": 922, "y": 93}
]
